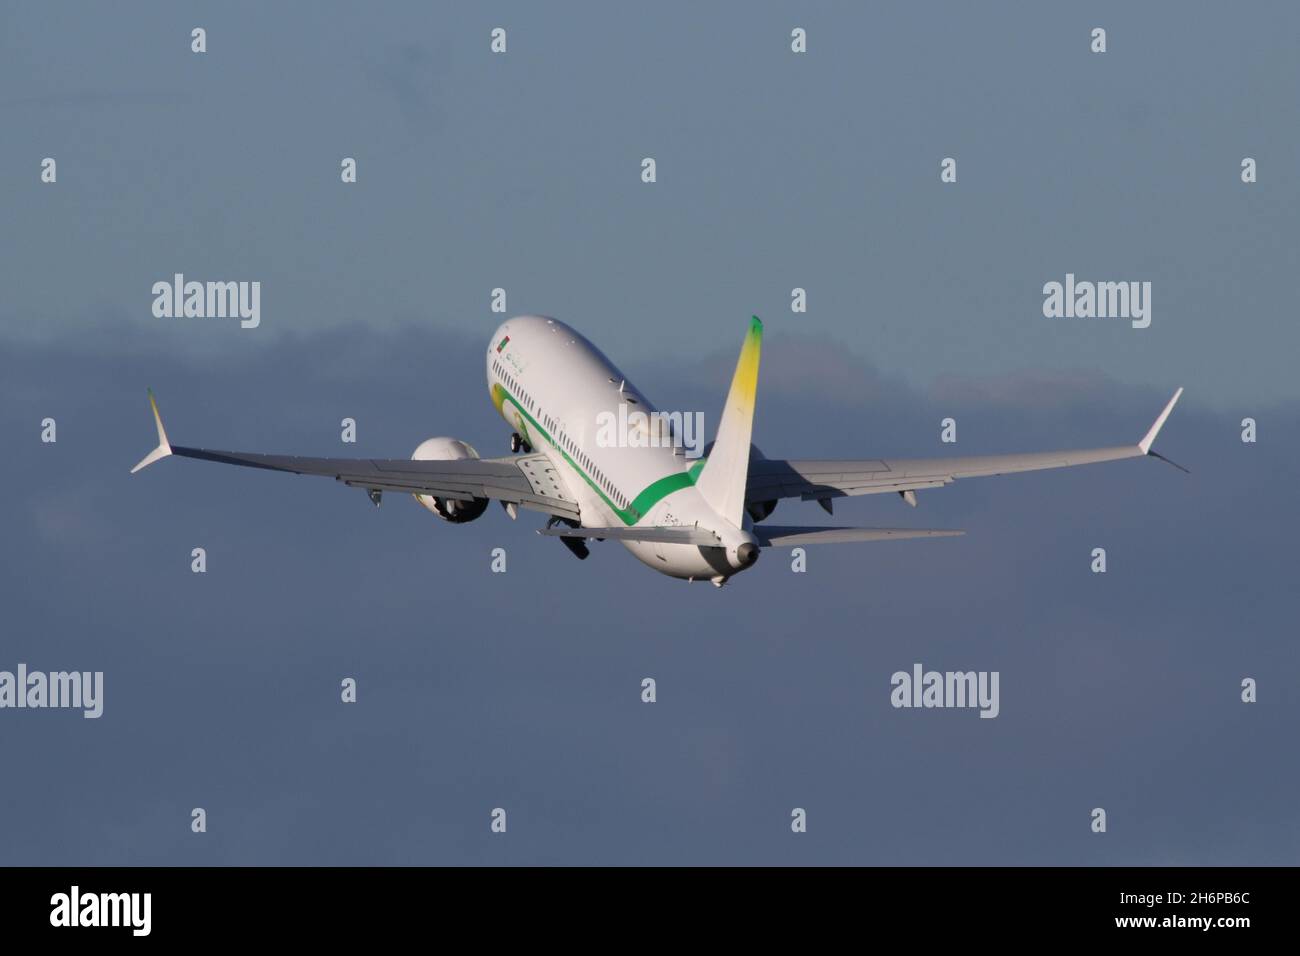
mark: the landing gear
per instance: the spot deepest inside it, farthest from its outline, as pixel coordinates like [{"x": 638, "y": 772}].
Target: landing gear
[
  {"x": 576, "y": 545},
  {"x": 517, "y": 444}
]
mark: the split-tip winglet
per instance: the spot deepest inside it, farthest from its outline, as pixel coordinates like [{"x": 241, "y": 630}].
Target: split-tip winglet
[
  {"x": 164, "y": 447},
  {"x": 1145, "y": 443}
]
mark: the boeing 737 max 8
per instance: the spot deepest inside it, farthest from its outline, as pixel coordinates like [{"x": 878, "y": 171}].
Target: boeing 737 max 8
[{"x": 697, "y": 520}]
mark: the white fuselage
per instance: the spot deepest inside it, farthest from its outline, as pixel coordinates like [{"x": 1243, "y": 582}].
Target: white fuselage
[{"x": 551, "y": 386}]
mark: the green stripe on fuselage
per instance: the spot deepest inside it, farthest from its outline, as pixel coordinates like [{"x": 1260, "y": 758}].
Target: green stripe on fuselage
[{"x": 654, "y": 492}]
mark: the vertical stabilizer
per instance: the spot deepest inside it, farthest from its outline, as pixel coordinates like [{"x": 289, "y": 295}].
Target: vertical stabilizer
[{"x": 722, "y": 482}]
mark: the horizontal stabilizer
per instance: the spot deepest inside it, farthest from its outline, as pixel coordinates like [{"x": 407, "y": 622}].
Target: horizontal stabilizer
[
  {"x": 783, "y": 537},
  {"x": 673, "y": 535}
]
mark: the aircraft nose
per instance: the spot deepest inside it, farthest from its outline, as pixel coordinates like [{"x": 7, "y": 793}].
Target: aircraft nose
[{"x": 747, "y": 554}]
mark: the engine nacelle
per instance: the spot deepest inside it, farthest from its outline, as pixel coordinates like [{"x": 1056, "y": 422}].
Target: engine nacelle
[{"x": 448, "y": 449}]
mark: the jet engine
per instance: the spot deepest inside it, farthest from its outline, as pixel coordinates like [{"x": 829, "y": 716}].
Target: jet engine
[{"x": 448, "y": 449}]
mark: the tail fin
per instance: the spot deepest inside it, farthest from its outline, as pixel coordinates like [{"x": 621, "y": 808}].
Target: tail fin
[{"x": 722, "y": 482}]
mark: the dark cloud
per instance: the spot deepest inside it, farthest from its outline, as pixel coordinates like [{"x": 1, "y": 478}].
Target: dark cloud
[{"x": 522, "y": 690}]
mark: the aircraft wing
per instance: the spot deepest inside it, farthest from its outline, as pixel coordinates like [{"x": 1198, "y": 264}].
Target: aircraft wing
[
  {"x": 528, "y": 481},
  {"x": 771, "y": 479}
]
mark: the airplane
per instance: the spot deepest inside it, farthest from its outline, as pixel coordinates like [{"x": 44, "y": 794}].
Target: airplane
[{"x": 698, "y": 520}]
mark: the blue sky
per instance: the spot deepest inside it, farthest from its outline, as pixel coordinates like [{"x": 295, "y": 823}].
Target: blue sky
[
  {"x": 522, "y": 690},
  {"x": 775, "y": 171}
]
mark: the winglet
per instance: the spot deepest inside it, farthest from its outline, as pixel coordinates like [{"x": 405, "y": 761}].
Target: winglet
[
  {"x": 164, "y": 447},
  {"x": 1145, "y": 443}
]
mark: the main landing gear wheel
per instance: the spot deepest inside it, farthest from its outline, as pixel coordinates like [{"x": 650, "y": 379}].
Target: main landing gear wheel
[{"x": 517, "y": 444}]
